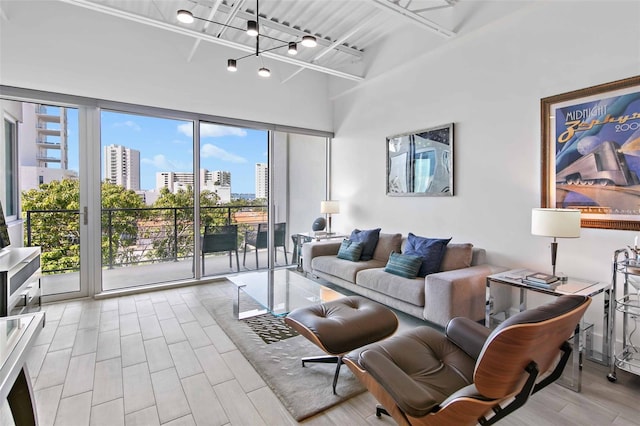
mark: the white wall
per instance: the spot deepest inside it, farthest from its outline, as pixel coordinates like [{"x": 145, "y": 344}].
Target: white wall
[
  {"x": 489, "y": 83},
  {"x": 58, "y": 47}
]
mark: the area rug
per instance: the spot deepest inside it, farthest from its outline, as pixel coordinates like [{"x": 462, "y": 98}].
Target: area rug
[{"x": 303, "y": 391}]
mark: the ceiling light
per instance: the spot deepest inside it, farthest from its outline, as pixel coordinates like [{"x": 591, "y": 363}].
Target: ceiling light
[
  {"x": 252, "y": 28},
  {"x": 185, "y": 16},
  {"x": 309, "y": 41}
]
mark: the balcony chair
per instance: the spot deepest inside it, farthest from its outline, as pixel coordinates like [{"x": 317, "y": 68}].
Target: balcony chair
[
  {"x": 258, "y": 240},
  {"x": 469, "y": 375},
  {"x": 217, "y": 239}
]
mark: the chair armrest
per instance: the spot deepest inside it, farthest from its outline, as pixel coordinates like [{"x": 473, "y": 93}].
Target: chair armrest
[
  {"x": 412, "y": 399},
  {"x": 318, "y": 248},
  {"x": 457, "y": 293},
  {"x": 468, "y": 335}
]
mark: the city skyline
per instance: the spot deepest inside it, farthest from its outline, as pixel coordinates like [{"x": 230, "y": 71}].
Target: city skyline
[{"x": 165, "y": 145}]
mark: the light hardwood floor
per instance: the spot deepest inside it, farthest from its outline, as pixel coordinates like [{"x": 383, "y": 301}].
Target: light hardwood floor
[{"x": 160, "y": 358}]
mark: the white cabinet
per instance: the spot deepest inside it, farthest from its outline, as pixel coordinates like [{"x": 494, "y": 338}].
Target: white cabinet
[{"x": 19, "y": 280}]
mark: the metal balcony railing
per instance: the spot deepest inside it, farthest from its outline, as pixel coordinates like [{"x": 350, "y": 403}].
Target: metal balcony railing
[{"x": 131, "y": 236}]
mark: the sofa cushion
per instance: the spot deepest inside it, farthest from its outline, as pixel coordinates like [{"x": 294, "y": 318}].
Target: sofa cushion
[
  {"x": 403, "y": 265},
  {"x": 369, "y": 237},
  {"x": 343, "y": 269},
  {"x": 410, "y": 290},
  {"x": 430, "y": 249},
  {"x": 386, "y": 244},
  {"x": 457, "y": 256},
  {"x": 350, "y": 250}
]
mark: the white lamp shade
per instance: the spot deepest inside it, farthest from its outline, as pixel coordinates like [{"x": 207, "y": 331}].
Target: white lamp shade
[
  {"x": 558, "y": 223},
  {"x": 330, "y": 206}
]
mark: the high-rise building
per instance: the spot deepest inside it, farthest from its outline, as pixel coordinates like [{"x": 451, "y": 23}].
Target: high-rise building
[
  {"x": 217, "y": 177},
  {"x": 217, "y": 181},
  {"x": 51, "y": 136},
  {"x": 43, "y": 154},
  {"x": 262, "y": 180},
  {"x": 122, "y": 166}
]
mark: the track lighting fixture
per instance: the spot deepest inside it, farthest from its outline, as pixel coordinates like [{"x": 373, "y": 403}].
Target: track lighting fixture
[{"x": 253, "y": 30}]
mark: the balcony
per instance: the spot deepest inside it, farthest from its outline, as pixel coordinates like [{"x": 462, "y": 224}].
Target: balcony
[
  {"x": 139, "y": 246},
  {"x": 49, "y": 145},
  {"x": 47, "y": 159}
]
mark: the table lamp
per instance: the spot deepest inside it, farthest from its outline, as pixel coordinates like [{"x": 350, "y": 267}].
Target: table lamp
[
  {"x": 329, "y": 207},
  {"x": 556, "y": 223}
]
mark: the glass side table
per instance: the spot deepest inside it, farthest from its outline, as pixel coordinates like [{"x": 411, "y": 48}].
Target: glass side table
[
  {"x": 305, "y": 237},
  {"x": 583, "y": 337}
]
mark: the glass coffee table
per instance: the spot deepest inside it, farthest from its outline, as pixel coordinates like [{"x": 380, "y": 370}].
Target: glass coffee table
[{"x": 277, "y": 292}]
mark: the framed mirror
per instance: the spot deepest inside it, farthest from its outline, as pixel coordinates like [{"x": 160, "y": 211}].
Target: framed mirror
[{"x": 421, "y": 163}]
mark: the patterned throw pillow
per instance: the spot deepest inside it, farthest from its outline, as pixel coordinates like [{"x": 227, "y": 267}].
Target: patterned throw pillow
[
  {"x": 404, "y": 265},
  {"x": 369, "y": 238},
  {"x": 350, "y": 250},
  {"x": 430, "y": 249}
]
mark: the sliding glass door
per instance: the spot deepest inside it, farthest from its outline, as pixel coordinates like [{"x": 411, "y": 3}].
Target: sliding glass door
[
  {"x": 147, "y": 192},
  {"x": 49, "y": 140},
  {"x": 233, "y": 197},
  {"x": 122, "y": 196}
]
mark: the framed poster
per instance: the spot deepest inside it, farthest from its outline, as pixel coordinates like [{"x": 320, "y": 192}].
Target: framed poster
[
  {"x": 421, "y": 163},
  {"x": 591, "y": 153}
]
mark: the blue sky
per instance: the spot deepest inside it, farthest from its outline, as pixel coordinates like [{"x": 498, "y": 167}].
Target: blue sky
[{"x": 166, "y": 145}]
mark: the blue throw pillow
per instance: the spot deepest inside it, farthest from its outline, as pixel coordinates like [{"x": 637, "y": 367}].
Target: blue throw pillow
[
  {"x": 350, "y": 250},
  {"x": 404, "y": 265},
  {"x": 369, "y": 238},
  {"x": 431, "y": 250}
]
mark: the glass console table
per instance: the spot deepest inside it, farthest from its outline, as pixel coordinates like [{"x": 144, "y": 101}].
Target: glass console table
[
  {"x": 17, "y": 335},
  {"x": 277, "y": 292}
]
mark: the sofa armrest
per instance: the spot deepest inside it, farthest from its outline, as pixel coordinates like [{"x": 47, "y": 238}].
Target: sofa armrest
[
  {"x": 318, "y": 248},
  {"x": 457, "y": 293}
]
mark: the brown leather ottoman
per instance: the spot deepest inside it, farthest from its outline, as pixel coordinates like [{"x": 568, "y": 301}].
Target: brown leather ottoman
[{"x": 340, "y": 326}]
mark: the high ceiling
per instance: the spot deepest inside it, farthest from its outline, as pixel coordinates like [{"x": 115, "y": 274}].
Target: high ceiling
[{"x": 345, "y": 29}]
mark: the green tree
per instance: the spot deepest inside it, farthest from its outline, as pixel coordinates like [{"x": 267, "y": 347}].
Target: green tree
[
  {"x": 54, "y": 222},
  {"x": 173, "y": 236},
  {"x": 123, "y": 214}
]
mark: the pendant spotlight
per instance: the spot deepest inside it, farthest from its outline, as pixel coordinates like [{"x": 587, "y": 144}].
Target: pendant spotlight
[{"x": 253, "y": 30}]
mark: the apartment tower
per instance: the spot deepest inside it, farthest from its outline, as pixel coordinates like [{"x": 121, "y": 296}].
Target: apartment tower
[
  {"x": 262, "y": 180},
  {"x": 122, "y": 166}
]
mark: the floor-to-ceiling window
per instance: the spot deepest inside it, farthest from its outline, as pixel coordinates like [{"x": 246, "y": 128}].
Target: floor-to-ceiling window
[
  {"x": 49, "y": 176},
  {"x": 147, "y": 191},
  {"x": 126, "y": 176},
  {"x": 233, "y": 198}
]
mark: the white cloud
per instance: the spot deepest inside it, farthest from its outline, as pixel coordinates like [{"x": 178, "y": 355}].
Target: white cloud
[
  {"x": 211, "y": 151},
  {"x": 212, "y": 130},
  {"x": 160, "y": 162},
  {"x": 131, "y": 124}
]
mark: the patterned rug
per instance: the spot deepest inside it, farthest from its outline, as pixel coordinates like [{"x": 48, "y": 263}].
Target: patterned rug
[
  {"x": 270, "y": 328},
  {"x": 303, "y": 391}
]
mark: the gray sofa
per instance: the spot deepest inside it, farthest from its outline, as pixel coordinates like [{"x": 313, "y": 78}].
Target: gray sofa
[{"x": 457, "y": 291}]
